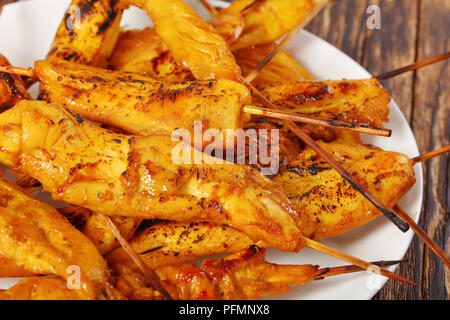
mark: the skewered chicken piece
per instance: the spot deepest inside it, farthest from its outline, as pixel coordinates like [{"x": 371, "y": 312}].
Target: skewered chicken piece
[
  {"x": 93, "y": 227},
  {"x": 167, "y": 242},
  {"x": 88, "y": 32},
  {"x": 85, "y": 165},
  {"x": 140, "y": 105},
  {"x": 219, "y": 104},
  {"x": 251, "y": 278},
  {"x": 12, "y": 88},
  {"x": 38, "y": 238},
  {"x": 242, "y": 275},
  {"x": 329, "y": 205},
  {"x": 192, "y": 41},
  {"x": 266, "y": 21},
  {"x": 356, "y": 101},
  {"x": 39, "y": 288},
  {"x": 144, "y": 52}
]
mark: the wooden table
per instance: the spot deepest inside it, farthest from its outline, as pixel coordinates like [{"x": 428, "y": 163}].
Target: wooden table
[{"x": 410, "y": 30}]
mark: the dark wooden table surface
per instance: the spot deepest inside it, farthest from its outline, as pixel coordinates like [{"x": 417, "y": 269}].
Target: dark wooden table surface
[{"x": 410, "y": 30}]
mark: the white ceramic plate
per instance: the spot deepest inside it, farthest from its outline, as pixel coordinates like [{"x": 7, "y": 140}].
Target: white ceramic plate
[{"x": 27, "y": 30}]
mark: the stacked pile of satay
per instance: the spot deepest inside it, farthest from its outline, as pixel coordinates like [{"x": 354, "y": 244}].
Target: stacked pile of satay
[{"x": 100, "y": 138}]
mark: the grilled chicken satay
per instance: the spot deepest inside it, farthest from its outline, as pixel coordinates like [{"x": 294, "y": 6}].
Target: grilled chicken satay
[
  {"x": 139, "y": 104},
  {"x": 12, "y": 88},
  {"x": 168, "y": 242},
  {"x": 94, "y": 227},
  {"x": 42, "y": 241},
  {"x": 357, "y": 101},
  {"x": 266, "y": 21},
  {"x": 88, "y": 32},
  {"x": 192, "y": 41},
  {"x": 328, "y": 204},
  {"x": 85, "y": 165},
  {"x": 242, "y": 275},
  {"x": 288, "y": 145},
  {"x": 39, "y": 288},
  {"x": 144, "y": 52}
]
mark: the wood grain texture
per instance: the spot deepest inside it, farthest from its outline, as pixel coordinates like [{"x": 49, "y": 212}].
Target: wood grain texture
[{"x": 410, "y": 30}]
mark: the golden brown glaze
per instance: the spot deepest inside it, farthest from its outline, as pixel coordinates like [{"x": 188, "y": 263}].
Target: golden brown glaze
[
  {"x": 327, "y": 204},
  {"x": 38, "y": 238},
  {"x": 139, "y": 104},
  {"x": 12, "y": 88},
  {"x": 9, "y": 268},
  {"x": 357, "y": 101},
  {"x": 268, "y": 20}
]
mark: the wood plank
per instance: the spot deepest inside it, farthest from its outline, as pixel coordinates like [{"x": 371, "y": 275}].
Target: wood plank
[
  {"x": 431, "y": 126},
  {"x": 342, "y": 24},
  {"x": 393, "y": 46}
]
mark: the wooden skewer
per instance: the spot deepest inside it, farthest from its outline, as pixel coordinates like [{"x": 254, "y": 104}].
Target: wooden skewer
[
  {"x": 328, "y": 272},
  {"x": 151, "y": 276},
  {"x": 422, "y": 235},
  {"x": 413, "y": 66},
  {"x": 431, "y": 154},
  {"x": 388, "y": 212},
  {"x": 317, "y": 8},
  {"x": 353, "y": 260},
  {"x": 209, "y": 7},
  {"x": 283, "y": 115}
]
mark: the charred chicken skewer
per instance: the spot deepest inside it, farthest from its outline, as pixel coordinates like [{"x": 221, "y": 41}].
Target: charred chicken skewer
[
  {"x": 219, "y": 104},
  {"x": 275, "y": 279},
  {"x": 88, "y": 32}
]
